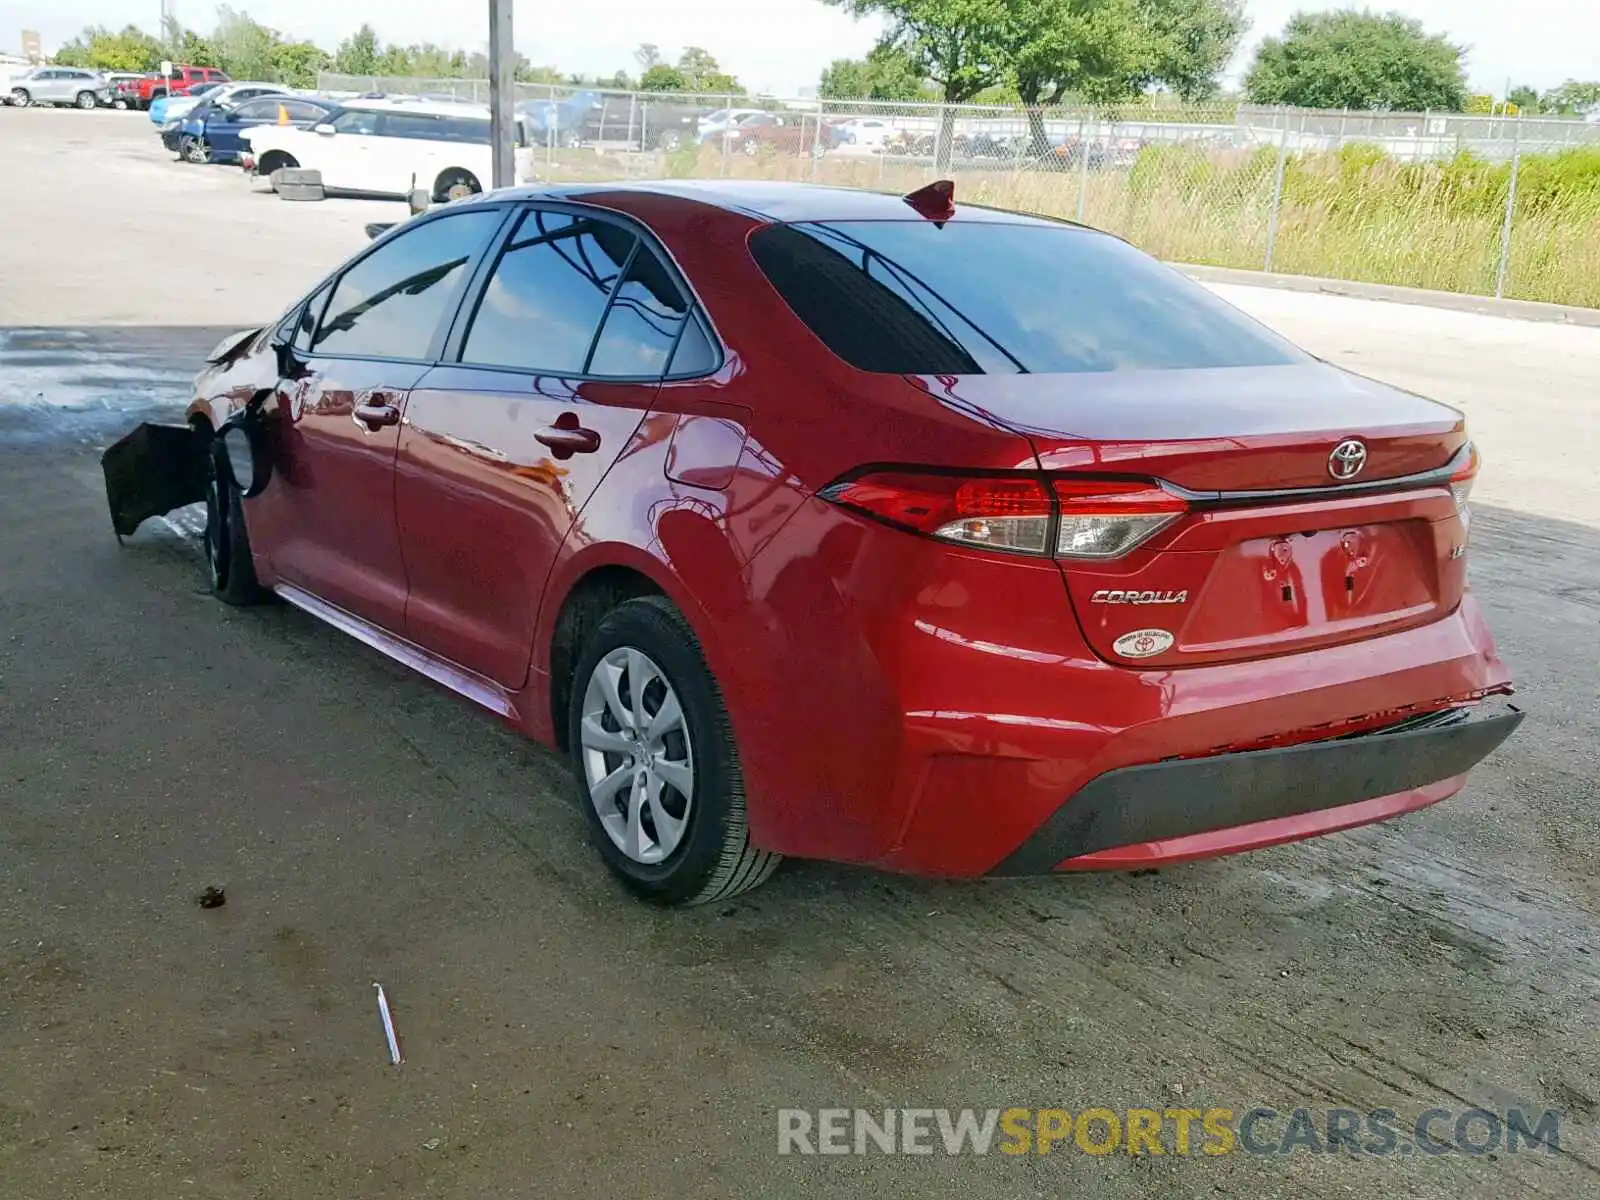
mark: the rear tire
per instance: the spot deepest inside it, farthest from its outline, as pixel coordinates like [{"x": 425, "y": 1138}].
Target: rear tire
[
  {"x": 229, "y": 567},
  {"x": 668, "y": 846},
  {"x": 86, "y": 101},
  {"x": 455, "y": 185}
]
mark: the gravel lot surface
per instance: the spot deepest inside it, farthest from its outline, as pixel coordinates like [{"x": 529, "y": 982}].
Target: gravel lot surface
[{"x": 562, "y": 1041}]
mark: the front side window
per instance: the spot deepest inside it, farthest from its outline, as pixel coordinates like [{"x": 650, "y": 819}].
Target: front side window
[
  {"x": 256, "y": 110},
  {"x": 547, "y": 295},
  {"x": 392, "y": 302},
  {"x": 356, "y": 120},
  {"x": 994, "y": 297}
]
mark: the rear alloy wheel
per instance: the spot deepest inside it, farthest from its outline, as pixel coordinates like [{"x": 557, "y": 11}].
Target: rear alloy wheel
[
  {"x": 455, "y": 185},
  {"x": 229, "y": 567},
  {"x": 193, "y": 150},
  {"x": 20, "y": 97},
  {"x": 655, "y": 759},
  {"x": 86, "y": 100}
]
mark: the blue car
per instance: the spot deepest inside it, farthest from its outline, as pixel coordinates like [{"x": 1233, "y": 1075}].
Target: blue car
[
  {"x": 196, "y": 96},
  {"x": 210, "y": 133},
  {"x": 557, "y": 122}
]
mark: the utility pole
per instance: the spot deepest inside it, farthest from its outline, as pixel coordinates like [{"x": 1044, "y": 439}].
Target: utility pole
[{"x": 502, "y": 92}]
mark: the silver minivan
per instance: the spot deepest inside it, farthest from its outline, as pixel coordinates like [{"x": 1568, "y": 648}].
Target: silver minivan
[{"x": 61, "y": 85}]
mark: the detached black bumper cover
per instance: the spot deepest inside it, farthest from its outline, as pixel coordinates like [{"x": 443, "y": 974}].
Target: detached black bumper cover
[
  {"x": 152, "y": 471},
  {"x": 1174, "y": 799}
]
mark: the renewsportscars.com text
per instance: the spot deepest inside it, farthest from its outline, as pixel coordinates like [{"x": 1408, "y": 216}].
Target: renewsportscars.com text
[{"x": 1177, "y": 1131}]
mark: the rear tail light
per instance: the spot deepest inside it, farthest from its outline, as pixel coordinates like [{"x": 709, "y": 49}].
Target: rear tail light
[
  {"x": 1072, "y": 518},
  {"x": 998, "y": 513},
  {"x": 1461, "y": 480},
  {"x": 1106, "y": 519}
]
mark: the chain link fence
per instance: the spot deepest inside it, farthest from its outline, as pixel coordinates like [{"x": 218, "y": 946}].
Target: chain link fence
[{"x": 1491, "y": 205}]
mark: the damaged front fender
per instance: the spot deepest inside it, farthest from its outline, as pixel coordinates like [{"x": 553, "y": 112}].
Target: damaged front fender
[{"x": 155, "y": 469}]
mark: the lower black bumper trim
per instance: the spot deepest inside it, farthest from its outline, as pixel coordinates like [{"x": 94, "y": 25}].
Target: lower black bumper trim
[{"x": 1197, "y": 795}]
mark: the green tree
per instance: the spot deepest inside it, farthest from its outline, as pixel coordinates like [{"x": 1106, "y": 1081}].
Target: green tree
[
  {"x": 1525, "y": 98},
  {"x": 196, "y": 50},
  {"x": 962, "y": 45},
  {"x": 244, "y": 46},
  {"x": 1573, "y": 98},
  {"x": 1190, "y": 43},
  {"x": 358, "y": 53},
  {"x": 131, "y": 50},
  {"x": 887, "y": 73},
  {"x": 1363, "y": 60},
  {"x": 702, "y": 73},
  {"x": 662, "y": 78},
  {"x": 298, "y": 63}
]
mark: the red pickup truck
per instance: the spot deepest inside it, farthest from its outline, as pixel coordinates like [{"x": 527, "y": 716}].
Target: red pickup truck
[{"x": 176, "y": 82}]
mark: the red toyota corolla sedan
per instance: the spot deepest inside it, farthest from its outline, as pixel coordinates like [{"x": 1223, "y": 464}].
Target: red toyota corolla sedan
[{"x": 886, "y": 530}]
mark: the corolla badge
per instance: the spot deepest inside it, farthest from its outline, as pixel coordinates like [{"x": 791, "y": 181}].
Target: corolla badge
[
  {"x": 1143, "y": 643},
  {"x": 1347, "y": 459}
]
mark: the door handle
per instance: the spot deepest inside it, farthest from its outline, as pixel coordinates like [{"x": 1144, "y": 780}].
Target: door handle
[
  {"x": 375, "y": 413},
  {"x": 566, "y": 437}
]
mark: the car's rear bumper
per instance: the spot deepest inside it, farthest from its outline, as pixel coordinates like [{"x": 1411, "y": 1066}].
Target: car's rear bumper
[{"x": 1165, "y": 811}]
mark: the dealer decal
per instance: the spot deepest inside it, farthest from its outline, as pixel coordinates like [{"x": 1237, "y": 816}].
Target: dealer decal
[{"x": 1143, "y": 643}]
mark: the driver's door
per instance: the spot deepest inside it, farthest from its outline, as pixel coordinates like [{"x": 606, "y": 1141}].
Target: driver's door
[
  {"x": 360, "y": 344},
  {"x": 350, "y": 157}
]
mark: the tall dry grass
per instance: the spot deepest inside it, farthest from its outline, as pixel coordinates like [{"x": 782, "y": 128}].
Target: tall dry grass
[{"x": 1352, "y": 214}]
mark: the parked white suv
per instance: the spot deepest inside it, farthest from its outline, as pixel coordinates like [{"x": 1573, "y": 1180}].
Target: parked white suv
[
  {"x": 388, "y": 147},
  {"x": 61, "y": 85}
]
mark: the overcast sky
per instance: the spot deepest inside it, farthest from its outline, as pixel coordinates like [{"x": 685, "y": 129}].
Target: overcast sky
[{"x": 779, "y": 46}]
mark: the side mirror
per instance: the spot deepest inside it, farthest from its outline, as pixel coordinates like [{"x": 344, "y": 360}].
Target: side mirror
[
  {"x": 289, "y": 364},
  {"x": 418, "y": 201},
  {"x": 324, "y": 129}
]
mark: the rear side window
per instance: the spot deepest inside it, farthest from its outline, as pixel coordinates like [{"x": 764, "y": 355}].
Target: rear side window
[
  {"x": 642, "y": 324},
  {"x": 463, "y": 129},
  {"x": 910, "y": 297},
  {"x": 390, "y": 304},
  {"x": 411, "y": 125}
]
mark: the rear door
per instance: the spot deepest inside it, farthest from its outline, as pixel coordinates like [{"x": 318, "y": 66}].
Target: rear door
[
  {"x": 362, "y": 342},
  {"x": 559, "y": 357},
  {"x": 408, "y": 150}
]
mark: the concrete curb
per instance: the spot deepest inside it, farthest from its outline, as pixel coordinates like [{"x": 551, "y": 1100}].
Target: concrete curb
[{"x": 1520, "y": 310}]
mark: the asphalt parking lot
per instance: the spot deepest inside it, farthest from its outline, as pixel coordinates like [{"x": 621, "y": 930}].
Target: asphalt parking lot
[{"x": 564, "y": 1041}]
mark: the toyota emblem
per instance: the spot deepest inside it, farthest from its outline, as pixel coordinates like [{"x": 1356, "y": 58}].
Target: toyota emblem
[{"x": 1347, "y": 459}]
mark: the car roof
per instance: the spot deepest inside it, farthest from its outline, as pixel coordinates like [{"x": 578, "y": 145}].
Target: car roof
[
  {"x": 432, "y": 108},
  {"x": 775, "y": 201}
]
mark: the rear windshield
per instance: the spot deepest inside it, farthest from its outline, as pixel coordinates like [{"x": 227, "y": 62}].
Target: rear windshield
[{"x": 912, "y": 298}]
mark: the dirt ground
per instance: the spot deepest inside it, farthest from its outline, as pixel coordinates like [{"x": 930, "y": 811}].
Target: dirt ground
[{"x": 564, "y": 1041}]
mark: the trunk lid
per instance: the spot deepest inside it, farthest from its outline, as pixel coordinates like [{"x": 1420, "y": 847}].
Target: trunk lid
[{"x": 1276, "y": 553}]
